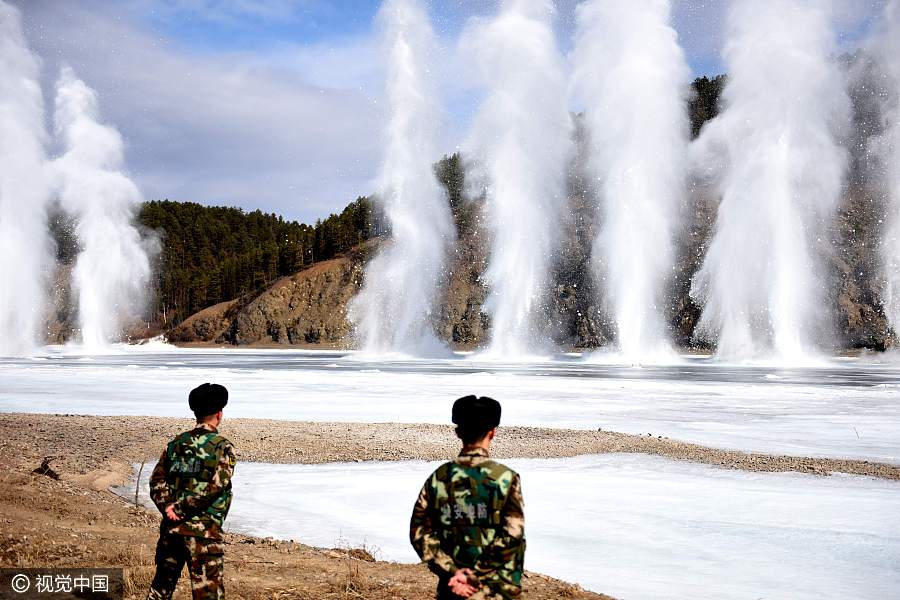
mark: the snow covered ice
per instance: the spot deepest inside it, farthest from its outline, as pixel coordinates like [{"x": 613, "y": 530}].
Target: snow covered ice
[{"x": 627, "y": 525}]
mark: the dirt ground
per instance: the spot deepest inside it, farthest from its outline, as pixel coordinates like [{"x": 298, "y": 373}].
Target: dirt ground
[{"x": 74, "y": 521}]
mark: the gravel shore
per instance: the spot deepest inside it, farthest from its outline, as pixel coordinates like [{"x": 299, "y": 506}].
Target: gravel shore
[{"x": 102, "y": 446}]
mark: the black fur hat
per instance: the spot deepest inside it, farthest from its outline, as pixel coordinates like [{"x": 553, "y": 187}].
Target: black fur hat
[
  {"x": 207, "y": 399},
  {"x": 476, "y": 413}
]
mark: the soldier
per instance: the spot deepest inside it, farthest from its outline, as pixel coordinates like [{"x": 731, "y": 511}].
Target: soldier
[
  {"x": 468, "y": 522},
  {"x": 191, "y": 487}
]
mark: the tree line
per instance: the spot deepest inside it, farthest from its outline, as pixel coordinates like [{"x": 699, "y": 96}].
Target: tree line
[{"x": 211, "y": 253}]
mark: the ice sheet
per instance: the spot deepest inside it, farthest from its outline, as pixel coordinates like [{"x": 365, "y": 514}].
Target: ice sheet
[
  {"x": 631, "y": 526},
  {"x": 848, "y": 408}
]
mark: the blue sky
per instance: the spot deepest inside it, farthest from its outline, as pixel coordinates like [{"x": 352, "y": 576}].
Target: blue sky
[
  {"x": 276, "y": 104},
  {"x": 226, "y": 26},
  {"x": 211, "y": 26}
]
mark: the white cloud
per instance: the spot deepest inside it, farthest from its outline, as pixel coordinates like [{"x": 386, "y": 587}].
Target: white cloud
[{"x": 269, "y": 131}]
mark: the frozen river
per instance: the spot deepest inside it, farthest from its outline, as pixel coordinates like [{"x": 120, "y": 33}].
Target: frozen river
[
  {"x": 839, "y": 408},
  {"x": 632, "y": 526}
]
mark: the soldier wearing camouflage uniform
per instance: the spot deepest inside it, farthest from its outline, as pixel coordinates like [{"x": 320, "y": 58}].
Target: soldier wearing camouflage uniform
[
  {"x": 191, "y": 486},
  {"x": 468, "y": 523}
]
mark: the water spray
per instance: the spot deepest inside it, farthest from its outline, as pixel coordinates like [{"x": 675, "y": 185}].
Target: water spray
[
  {"x": 25, "y": 256},
  {"x": 633, "y": 79},
  {"x": 112, "y": 270},
  {"x": 394, "y": 311},
  {"x": 774, "y": 158},
  {"x": 887, "y": 49},
  {"x": 521, "y": 141}
]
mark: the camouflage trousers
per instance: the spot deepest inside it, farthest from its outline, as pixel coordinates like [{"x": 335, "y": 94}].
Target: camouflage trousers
[
  {"x": 483, "y": 593},
  {"x": 205, "y": 561}
]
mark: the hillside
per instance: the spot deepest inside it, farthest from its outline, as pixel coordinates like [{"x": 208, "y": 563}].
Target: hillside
[
  {"x": 310, "y": 307},
  {"x": 306, "y": 308}
]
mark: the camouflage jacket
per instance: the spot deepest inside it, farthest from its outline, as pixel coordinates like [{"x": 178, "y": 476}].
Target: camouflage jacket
[
  {"x": 194, "y": 473},
  {"x": 470, "y": 514}
]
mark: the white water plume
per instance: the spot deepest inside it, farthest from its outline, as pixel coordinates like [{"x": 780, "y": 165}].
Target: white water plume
[
  {"x": 112, "y": 270},
  {"x": 633, "y": 79},
  {"x": 24, "y": 241},
  {"x": 780, "y": 176},
  {"x": 394, "y": 310},
  {"x": 522, "y": 142},
  {"x": 887, "y": 51}
]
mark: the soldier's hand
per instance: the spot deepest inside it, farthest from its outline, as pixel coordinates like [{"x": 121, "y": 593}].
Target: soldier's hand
[
  {"x": 171, "y": 514},
  {"x": 459, "y": 583}
]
